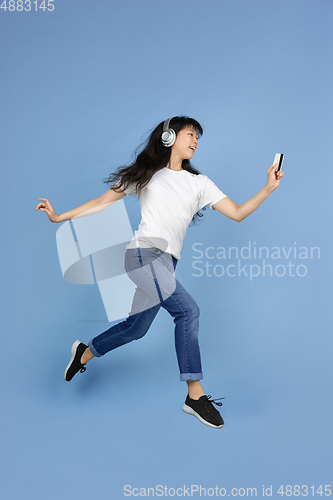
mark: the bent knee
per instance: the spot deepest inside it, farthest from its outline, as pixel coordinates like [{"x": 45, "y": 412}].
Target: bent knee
[{"x": 193, "y": 308}]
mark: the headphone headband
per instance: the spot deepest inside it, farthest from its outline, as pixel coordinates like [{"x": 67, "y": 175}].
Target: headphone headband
[{"x": 166, "y": 125}]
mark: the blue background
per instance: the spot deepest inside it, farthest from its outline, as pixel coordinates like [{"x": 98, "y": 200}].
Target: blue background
[{"x": 81, "y": 87}]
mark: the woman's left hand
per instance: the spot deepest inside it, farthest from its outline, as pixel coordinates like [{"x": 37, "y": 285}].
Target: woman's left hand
[{"x": 273, "y": 178}]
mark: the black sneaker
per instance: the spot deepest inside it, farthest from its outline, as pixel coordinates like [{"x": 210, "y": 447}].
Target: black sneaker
[
  {"x": 203, "y": 409},
  {"x": 74, "y": 364}
]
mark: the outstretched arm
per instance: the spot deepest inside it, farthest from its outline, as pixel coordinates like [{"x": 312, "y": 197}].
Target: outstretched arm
[
  {"x": 240, "y": 212},
  {"x": 91, "y": 207}
]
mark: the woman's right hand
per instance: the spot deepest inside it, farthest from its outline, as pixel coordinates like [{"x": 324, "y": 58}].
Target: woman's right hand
[{"x": 47, "y": 207}]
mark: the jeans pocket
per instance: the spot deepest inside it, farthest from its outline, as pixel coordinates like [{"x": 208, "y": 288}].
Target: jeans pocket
[
  {"x": 151, "y": 250},
  {"x": 148, "y": 255}
]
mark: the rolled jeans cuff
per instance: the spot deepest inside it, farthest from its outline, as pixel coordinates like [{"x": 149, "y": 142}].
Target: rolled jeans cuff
[
  {"x": 93, "y": 350},
  {"x": 191, "y": 376}
]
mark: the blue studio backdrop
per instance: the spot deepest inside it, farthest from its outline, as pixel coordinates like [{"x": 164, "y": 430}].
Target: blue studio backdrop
[{"x": 82, "y": 85}]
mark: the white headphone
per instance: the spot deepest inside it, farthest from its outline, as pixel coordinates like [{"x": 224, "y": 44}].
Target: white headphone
[{"x": 169, "y": 135}]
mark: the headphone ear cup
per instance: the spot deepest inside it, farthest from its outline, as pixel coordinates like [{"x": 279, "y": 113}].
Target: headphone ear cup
[{"x": 168, "y": 138}]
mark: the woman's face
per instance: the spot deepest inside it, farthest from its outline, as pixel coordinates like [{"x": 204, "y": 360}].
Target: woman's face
[{"x": 186, "y": 143}]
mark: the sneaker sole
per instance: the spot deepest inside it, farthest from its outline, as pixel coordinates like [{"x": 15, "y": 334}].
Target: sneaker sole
[
  {"x": 190, "y": 411},
  {"x": 73, "y": 352}
]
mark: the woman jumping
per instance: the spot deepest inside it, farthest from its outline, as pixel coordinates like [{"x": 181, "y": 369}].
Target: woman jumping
[{"x": 171, "y": 193}]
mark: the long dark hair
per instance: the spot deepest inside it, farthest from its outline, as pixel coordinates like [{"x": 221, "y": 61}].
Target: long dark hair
[{"x": 153, "y": 157}]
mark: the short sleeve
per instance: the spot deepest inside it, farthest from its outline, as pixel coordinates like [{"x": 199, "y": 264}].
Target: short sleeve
[
  {"x": 210, "y": 194},
  {"x": 130, "y": 190}
]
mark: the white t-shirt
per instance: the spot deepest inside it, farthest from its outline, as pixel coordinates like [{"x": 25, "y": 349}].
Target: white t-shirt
[{"x": 168, "y": 204}]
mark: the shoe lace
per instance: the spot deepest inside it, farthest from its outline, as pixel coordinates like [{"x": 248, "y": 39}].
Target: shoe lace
[
  {"x": 83, "y": 369},
  {"x": 209, "y": 402}
]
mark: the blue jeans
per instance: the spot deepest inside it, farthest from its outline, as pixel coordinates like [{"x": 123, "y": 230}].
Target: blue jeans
[{"x": 152, "y": 270}]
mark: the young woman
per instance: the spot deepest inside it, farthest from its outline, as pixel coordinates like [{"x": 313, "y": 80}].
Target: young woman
[{"x": 171, "y": 193}]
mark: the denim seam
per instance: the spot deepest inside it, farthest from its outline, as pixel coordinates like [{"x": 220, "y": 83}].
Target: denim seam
[
  {"x": 159, "y": 287},
  {"x": 154, "y": 278},
  {"x": 128, "y": 328},
  {"x": 185, "y": 328}
]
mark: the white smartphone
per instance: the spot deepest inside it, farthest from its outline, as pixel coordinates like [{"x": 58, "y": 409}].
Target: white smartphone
[{"x": 278, "y": 159}]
